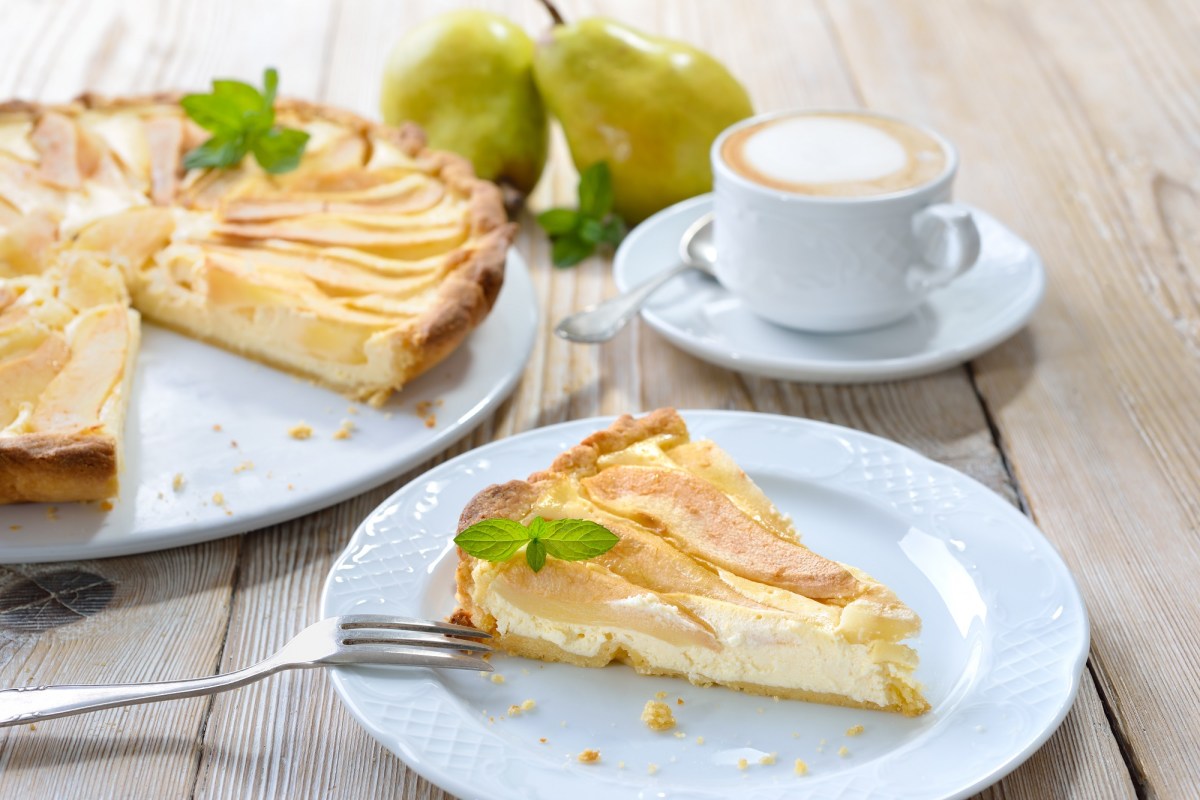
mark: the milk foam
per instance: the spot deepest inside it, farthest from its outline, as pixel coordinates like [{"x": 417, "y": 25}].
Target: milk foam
[{"x": 823, "y": 150}]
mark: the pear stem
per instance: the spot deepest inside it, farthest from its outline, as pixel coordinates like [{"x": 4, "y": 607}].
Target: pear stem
[{"x": 554, "y": 13}]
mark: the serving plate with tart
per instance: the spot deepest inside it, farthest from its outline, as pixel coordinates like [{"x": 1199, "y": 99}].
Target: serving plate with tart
[
  {"x": 1003, "y": 632},
  {"x": 362, "y": 270}
]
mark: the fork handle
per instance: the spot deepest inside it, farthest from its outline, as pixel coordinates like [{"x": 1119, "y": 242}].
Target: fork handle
[{"x": 28, "y": 704}]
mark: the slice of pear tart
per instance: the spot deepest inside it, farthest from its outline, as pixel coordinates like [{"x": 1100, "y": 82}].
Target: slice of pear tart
[
  {"x": 708, "y": 581},
  {"x": 360, "y": 269}
]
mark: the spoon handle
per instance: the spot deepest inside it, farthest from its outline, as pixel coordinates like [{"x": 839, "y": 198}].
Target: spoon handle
[{"x": 601, "y": 322}]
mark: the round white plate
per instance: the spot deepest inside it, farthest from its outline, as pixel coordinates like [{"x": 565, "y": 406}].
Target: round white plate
[
  {"x": 184, "y": 390},
  {"x": 1004, "y": 641},
  {"x": 974, "y": 313}
]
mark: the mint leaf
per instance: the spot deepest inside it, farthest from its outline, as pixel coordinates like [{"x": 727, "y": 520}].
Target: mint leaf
[
  {"x": 592, "y": 231},
  {"x": 569, "y": 250},
  {"x": 573, "y": 234},
  {"x": 236, "y": 94},
  {"x": 213, "y": 113},
  {"x": 537, "y": 526},
  {"x": 242, "y": 120},
  {"x": 577, "y": 539},
  {"x": 270, "y": 87},
  {"x": 595, "y": 191},
  {"x": 558, "y": 220},
  {"x": 279, "y": 149},
  {"x": 218, "y": 151},
  {"x": 614, "y": 230},
  {"x": 493, "y": 539},
  {"x": 535, "y": 554}
]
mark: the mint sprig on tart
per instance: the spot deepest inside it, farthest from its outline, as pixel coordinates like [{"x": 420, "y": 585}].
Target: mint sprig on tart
[
  {"x": 241, "y": 120},
  {"x": 565, "y": 539}
]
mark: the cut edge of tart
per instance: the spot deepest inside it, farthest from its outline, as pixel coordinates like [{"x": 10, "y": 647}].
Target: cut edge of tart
[
  {"x": 68, "y": 345},
  {"x": 708, "y": 581}
]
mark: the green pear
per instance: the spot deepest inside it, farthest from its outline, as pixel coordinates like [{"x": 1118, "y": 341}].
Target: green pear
[
  {"x": 466, "y": 78},
  {"x": 648, "y": 106}
]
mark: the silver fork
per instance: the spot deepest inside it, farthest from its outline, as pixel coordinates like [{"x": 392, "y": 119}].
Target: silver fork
[{"x": 353, "y": 639}]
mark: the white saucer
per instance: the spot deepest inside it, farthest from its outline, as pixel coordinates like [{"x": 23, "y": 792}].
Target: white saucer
[{"x": 976, "y": 312}]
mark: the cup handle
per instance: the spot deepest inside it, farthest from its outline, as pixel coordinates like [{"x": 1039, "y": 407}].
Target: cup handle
[{"x": 948, "y": 242}]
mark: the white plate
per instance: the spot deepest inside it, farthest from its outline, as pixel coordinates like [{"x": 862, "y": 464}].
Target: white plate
[
  {"x": 974, "y": 313},
  {"x": 183, "y": 388},
  {"x": 1004, "y": 641}
]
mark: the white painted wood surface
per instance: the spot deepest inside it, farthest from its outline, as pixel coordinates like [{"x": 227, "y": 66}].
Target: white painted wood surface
[{"x": 1078, "y": 125}]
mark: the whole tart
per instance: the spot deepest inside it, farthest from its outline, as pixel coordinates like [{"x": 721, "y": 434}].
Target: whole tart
[
  {"x": 359, "y": 270},
  {"x": 708, "y": 581}
]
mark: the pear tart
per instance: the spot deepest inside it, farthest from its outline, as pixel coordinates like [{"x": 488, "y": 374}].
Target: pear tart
[
  {"x": 360, "y": 269},
  {"x": 709, "y": 581}
]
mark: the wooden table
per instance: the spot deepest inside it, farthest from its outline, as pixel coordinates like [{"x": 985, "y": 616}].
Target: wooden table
[{"x": 1079, "y": 125}]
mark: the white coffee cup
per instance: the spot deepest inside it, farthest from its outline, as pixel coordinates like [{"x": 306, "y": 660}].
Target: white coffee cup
[{"x": 817, "y": 229}]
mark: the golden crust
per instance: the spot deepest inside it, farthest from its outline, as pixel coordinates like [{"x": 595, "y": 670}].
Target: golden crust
[{"x": 53, "y": 468}]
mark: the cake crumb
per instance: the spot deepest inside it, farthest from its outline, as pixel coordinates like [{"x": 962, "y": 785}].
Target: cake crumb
[
  {"x": 52, "y": 513},
  {"x": 659, "y": 695},
  {"x": 768, "y": 759},
  {"x": 242, "y": 467},
  {"x": 678, "y": 701},
  {"x": 528, "y": 705},
  {"x": 657, "y": 716},
  {"x": 800, "y": 768},
  {"x": 496, "y": 677},
  {"x": 651, "y": 769},
  {"x": 14, "y": 527},
  {"x": 699, "y": 740},
  {"x": 218, "y": 499},
  {"x": 431, "y": 421},
  {"x": 542, "y": 740},
  {"x": 589, "y": 756},
  {"x": 620, "y": 765},
  {"x": 352, "y": 410},
  {"x": 301, "y": 431},
  {"x": 233, "y": 443},
  {"x": 106, "y": 505},
  {"x": 514, "y": 710},
  {"x": 679, "y": 735},
  {"x": 346, "y": 430},
  {"x": 217, "y": 428},
  {"x": 177, "y": 482},
  {"x": 843, "y": 751},
  {"x": 855, "y": 731},
  {"x": 795, "y": 735},
  {"x": 743, "y": 763},
  {"x": 291, "y": 487}
]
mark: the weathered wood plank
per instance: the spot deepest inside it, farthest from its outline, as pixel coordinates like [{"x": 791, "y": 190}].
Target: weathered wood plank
[
  {"x": 289, "y": 736},
  {"x": 1076, "y": 129}
]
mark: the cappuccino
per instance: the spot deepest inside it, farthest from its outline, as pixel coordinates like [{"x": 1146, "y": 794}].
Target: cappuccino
[{"x": 843, "y": 154}]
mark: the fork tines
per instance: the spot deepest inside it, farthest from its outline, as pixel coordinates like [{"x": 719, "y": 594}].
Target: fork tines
[
  {"x": 352, "y": 622},
  {"x": 414, "y": 642}
]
